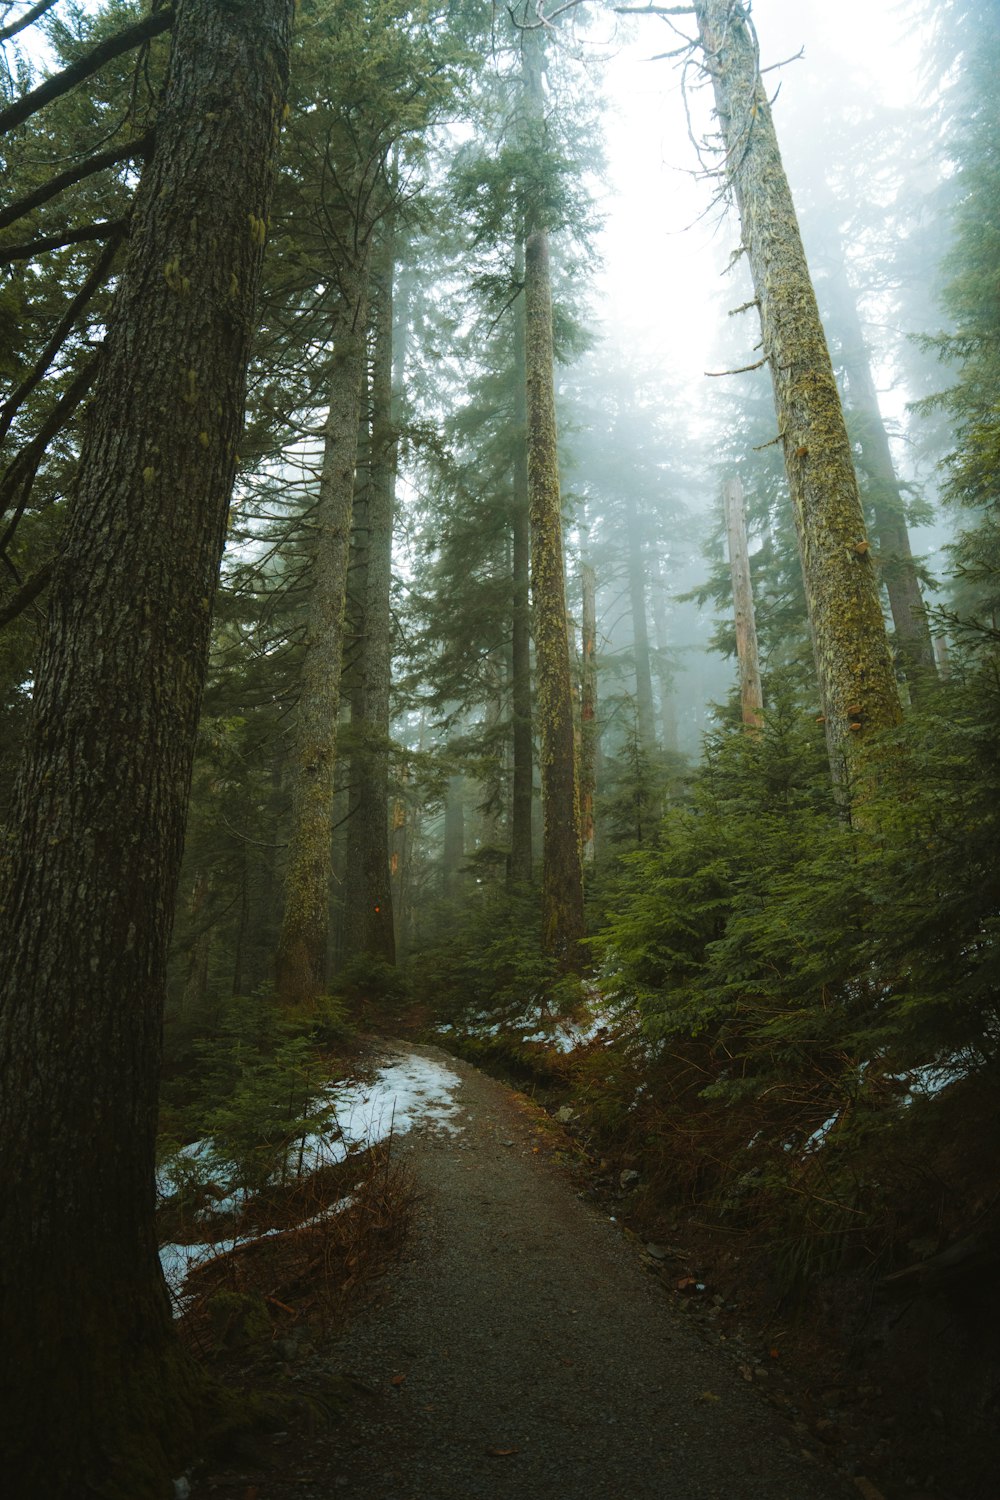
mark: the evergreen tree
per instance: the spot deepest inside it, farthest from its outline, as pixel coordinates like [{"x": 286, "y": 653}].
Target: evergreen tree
[
  {"x": 89, "y": 885},
  {"x": 853, "y": 664}
]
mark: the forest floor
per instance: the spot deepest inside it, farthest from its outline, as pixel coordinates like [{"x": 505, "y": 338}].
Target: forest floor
[{"x": 525, "y": 1344}]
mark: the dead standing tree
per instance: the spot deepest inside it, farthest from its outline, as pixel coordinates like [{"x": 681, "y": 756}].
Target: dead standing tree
[{"x": 853, "y": 661}]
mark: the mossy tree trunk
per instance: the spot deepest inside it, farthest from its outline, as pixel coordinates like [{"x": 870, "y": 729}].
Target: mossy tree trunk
[
  {"x": 914, "y": 646},
  {"x": 305, "y": 927},
  {"x": 562, "y": 868},
  {"x": 96, "y": 1396},
  {"x": 368, "y": 917},
  {"x": 853, "y": 662},
  {"x": 521, "y": 858}
]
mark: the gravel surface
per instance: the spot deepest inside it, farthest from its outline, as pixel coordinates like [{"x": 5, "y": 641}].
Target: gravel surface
[{"x": 521, "y": 1349}]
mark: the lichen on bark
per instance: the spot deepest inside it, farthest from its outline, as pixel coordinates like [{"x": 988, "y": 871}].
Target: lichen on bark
[{"x": 854, "y": 666}]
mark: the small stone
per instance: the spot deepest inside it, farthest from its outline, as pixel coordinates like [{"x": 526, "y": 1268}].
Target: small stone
[
  {"x": 508, "y": 1144},
  {"x": 565, "y": 1114},
  {"x": 628, "y": 1178},
  {"x": 658, "y": 1252}
]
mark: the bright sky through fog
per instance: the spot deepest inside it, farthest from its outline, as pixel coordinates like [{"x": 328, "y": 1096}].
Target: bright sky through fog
[{"x": 660, "y": 277}]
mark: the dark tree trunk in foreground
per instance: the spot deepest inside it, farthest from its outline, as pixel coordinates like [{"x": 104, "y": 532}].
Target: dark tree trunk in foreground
[
  {"x": 751, "y": 697},
  {"x": 899, "y": 573},
  {"x": 368, "y": 907},
  {"x": 96, "y": 1395},
  {"x": 853, "y": 661},
  {"x": 305, "y": 927},
  {"x": 562, "y": 869},
  {"x": 522, "y": 780}
]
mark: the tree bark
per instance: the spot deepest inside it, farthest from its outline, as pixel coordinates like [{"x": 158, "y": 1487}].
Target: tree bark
[
  {"x": 521, "y": 855},
  {"x": 853, "y": 661},
  {"x": 305, "y": 928},
  {"x": 909, "y": 615},
  {"x": 751, "y": 696},
  {"x": 368, "y": 914},
  {"x": 562, "y": 869},
  {"x": 97, "y": 1397}
]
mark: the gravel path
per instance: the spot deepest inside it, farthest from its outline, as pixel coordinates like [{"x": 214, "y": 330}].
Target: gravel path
[{"x": 521, "y": 1350}]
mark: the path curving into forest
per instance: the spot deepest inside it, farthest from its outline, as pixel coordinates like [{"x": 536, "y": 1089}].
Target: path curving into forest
[{"x": 520, "y": 1349}]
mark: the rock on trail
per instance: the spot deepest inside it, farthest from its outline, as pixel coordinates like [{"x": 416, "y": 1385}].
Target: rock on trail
[{"x": 520, "y": 1349}]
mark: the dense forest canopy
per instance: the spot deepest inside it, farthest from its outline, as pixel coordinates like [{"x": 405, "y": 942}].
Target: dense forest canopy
[{"x": 498, "y": 523}]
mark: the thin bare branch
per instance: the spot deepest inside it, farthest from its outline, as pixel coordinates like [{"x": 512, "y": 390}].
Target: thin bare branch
[{"x": 28, "y": 19}]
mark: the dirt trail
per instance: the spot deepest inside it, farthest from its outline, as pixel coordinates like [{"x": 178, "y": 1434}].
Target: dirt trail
[{"x": 537, "y": 1357}]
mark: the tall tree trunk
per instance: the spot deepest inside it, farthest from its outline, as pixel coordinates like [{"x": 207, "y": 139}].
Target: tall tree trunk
[
  {"x": 562, "y": 869},
  {"x": 853, "y": 661},
  {"x": 899, "y": 573},
  {"x": 668, "y": 698},
  {"x": 751, "y": 696},
  {"x": 453, "y": 845},
  {"x": 368, "y": 912},
  {"x": 640, "y": 631},
  {"x": 305, "y": 927},
  {"x": 96, "y": 1396},
  {"x": 522, "y": 788},
  {"x": 588, "y": 712},
  {"x": 195, "y": 986}
]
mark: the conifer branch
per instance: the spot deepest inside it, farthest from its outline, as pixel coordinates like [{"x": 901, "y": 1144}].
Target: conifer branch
[
  {"x": 61, "y": 83},
  {"x": 30, "y": 16},
  {"x": 26, "y": 594},
  {"x": 141, "y": 146},
  {"x": 95, "y": 280},
  {"x": 79, "y": 236}
]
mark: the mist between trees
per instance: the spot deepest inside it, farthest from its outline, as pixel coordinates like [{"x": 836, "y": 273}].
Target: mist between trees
[{"x": 368, "y": 614}]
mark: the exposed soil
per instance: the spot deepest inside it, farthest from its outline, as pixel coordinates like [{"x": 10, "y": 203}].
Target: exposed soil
[{"x": 522, "y": 1347}]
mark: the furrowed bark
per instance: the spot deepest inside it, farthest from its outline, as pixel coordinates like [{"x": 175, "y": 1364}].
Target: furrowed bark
[
  {"x": 90, "y": 872},
  {"x": 853, "y": 662}
]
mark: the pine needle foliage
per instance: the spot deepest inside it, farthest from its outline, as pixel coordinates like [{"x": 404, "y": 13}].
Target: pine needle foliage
[{"x": 821, "y": 962}]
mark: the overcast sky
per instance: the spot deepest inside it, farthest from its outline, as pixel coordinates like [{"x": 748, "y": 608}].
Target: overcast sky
[{"x": 661, "y": 277}]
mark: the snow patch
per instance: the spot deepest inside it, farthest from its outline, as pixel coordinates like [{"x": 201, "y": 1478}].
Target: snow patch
[{"x": 408, "y": 1092}]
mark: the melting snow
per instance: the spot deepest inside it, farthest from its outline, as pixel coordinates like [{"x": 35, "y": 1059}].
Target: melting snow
[{"x": 405, "y": 1093}]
